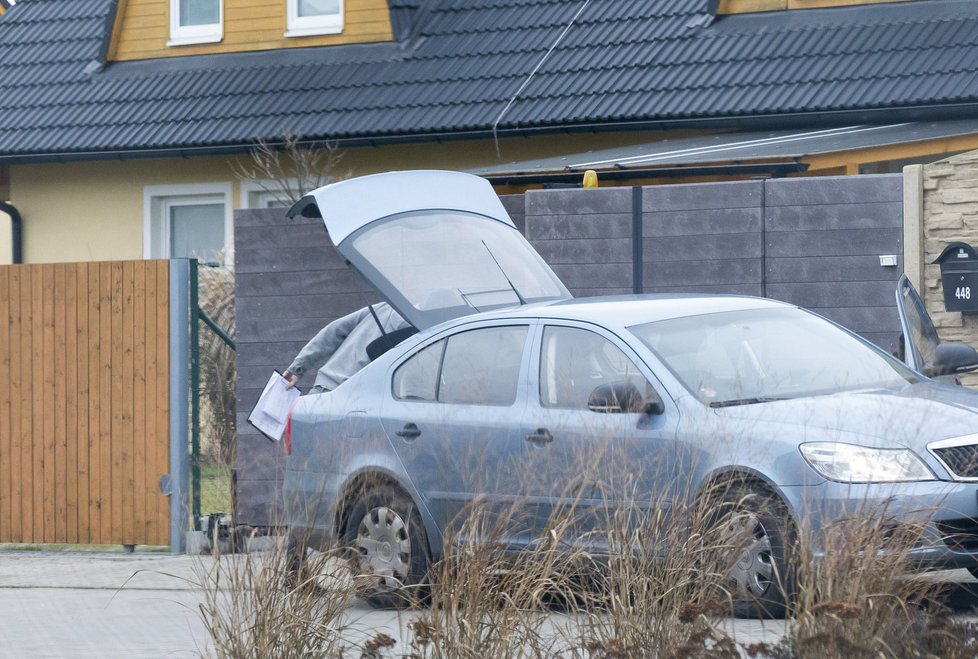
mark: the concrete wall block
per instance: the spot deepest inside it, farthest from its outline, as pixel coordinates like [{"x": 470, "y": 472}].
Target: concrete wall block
[
  {"x": 258, "y": 217},
  {"x": 963, "y": 159},
  {"x": 699, "y": 222},
  {"x": 265, "y": 353},
  {"x": 601, "y": 250},
  {"x": 835, "y": 216},
  {"x": 259, "y": 501},
  {"x": 945, "y": 221},
  {"x": 294, "y": 259},
  {"x": 260, "y": 456},
  {"x": 295, "y": 329},
  {"x": 298, "y": 306},
  {"x": 515, "y": 206},
  {"x": 578, "y": 201},
  {"x": 701, "y": 273},
  {"x": 946, "y": 319},
  {"x": 938, "y": 170},
  {"x": 709, "y": 289},
  {"x": 702, "y": 196},
  {"x": 606, "y": 225},
  {"x": 342, "y": 281},
  {"x": 702, "y": 248},
  {"x": 930, "y": 183},
  {"x": 962, "y": 179},
  {"x": 958, "y": 195},
  {"x": 595, "y": 275},
  {"x": 787, "y": 270},
  {"x": 835, "y": 243},
  {"x": 593, "y": 292},
  {"x": 834, "y": 190},
  {"x": 834, "y": 295},
  {"x": 864, "y": 319},
  {"x": 278, "y": 236}
]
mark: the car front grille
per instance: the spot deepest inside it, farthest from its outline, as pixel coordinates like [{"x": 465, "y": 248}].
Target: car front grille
[
  {"x": 959, "y": 534},
  {"x": 961, "y": 461}
]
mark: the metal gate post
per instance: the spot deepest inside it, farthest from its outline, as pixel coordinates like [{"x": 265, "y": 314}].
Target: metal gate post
[
  {"x": 179, "y": 401},
  {"x": 194, "y": 395}
]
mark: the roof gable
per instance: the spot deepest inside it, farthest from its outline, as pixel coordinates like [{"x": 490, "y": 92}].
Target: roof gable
[{"x": 617, "y": 63}]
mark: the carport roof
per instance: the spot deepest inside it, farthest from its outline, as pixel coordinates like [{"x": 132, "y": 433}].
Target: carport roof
[
  {"x": 479, "y": 67},
  {"x": 780, "y": 147}
]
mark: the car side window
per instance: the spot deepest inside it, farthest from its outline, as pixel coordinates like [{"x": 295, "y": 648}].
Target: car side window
[
  {"x": 579, "y": 367},
  {"x": 417, "y": 378},
  {"x": 482, "y": 367}
]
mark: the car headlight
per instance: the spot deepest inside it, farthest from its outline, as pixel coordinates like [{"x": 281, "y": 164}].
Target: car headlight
[{"x": 849, "y": 463}]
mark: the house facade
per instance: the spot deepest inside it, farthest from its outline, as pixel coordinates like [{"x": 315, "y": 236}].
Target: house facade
[{"x": 128, "y": 121}]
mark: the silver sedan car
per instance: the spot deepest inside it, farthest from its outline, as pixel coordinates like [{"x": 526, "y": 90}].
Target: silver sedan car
[{"x": 513, "y": 396}]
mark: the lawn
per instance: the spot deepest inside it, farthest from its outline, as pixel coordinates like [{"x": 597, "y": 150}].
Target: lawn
[{"x": 215, "y": 489}]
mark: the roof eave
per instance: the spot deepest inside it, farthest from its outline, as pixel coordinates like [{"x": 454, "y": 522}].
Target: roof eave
[{"x": 942, "y": 112}]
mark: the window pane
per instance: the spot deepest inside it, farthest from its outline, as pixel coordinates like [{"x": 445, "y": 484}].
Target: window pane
[
  {"x": 318, "y": 7},
  {"x": 575, "y": 362},
  {"x": 482, "y": 367},
  {"x": 199, "y": 12},
  {"x": 416, "y": 379},
  {"x": 197, "y": 230}
]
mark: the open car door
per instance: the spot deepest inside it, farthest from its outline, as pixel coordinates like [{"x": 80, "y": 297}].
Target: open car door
[
  {"x": 436, "y": 245},
  {"x": 920, "y": 338},
  {"x": 923, "y": 350}
]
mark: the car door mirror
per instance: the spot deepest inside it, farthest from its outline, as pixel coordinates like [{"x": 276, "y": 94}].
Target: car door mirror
[
  {"x": 623, "y": 397},
  {"x": 951, "y": 359}
]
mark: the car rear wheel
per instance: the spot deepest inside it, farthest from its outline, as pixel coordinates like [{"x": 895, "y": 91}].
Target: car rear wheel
[
  {"x": 762, "y": 579},
  {"x": 389, "y": 548}
]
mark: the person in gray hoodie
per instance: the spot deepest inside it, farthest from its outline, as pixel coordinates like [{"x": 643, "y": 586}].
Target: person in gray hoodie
[{"x": 341, "y": 346}]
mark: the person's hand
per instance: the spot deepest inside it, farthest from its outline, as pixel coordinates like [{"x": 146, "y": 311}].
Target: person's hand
[{"x": 292, "y": 379}]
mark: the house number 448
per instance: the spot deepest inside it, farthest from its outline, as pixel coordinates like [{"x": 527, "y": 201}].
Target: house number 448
[{"x": 963, "y": 292}]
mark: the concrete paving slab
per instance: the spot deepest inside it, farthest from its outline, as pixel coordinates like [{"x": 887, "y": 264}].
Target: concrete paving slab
[
  {"x": 67, "y": 605},
  {"x": 85, "y": 605}
]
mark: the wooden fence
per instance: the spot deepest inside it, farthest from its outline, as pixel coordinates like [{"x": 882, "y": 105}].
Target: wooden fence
[{"x": 84, "y": 402}]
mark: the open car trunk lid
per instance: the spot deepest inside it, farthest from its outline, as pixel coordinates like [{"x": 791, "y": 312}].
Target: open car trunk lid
[{"x": 436, "y": 245}]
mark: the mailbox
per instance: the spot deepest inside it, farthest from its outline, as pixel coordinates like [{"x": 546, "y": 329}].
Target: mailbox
[{"x": 959, "y": 276}]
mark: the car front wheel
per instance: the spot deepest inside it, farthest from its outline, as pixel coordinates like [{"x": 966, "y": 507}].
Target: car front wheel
[
  {"x": 762, "y": 577},
  {"x": 389, "y": 548}
]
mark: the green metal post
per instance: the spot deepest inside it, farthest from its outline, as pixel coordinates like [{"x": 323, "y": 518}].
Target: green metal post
[{"x": 194, "y": 395}]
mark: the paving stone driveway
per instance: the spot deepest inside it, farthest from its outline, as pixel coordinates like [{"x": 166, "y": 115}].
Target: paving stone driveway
[{"x": 68, "y": 605}]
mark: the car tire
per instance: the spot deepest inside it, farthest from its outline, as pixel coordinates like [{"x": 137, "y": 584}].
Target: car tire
[
  {"x": 388, "y": 548},
  {"x": 295, "y": 560},
  {"x": 763, "y": 580}
]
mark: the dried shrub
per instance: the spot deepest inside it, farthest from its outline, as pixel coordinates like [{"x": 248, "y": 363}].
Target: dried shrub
[
  {"x": 290, "y": 168},
  {"x": 217, "y": 368}
]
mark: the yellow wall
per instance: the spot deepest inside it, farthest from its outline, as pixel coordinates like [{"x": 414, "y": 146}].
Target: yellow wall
[
  {"x": 143, "y": 27},
  {"x": 5, "y": 245},
  {"x": 94, "y": 211}
]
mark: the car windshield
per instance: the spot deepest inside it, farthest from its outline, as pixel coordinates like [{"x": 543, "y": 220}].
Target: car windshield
[{"x": 753, "y": 356}]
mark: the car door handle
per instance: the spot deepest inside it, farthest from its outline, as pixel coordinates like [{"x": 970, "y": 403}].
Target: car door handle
[
  {"x": 541, "y": 437},
  {"x": 409, "y": 431}
]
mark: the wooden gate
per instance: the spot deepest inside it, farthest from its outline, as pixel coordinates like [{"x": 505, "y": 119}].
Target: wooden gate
[{"x": 84, "y": 402}]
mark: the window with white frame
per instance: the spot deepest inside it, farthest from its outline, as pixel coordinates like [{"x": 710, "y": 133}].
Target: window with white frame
[
  {"x": 195, "y": 21},
  {"x": 190, "y": 221},
  {"x": 267, "y": 193},
  {"x": 308, "y": 17}
]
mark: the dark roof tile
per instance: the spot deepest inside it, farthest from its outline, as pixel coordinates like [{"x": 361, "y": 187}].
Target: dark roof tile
[{"x": 624, "y": 60}]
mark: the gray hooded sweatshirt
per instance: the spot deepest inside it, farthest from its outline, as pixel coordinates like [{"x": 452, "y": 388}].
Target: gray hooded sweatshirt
[{"x": 343, "y": 345}]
